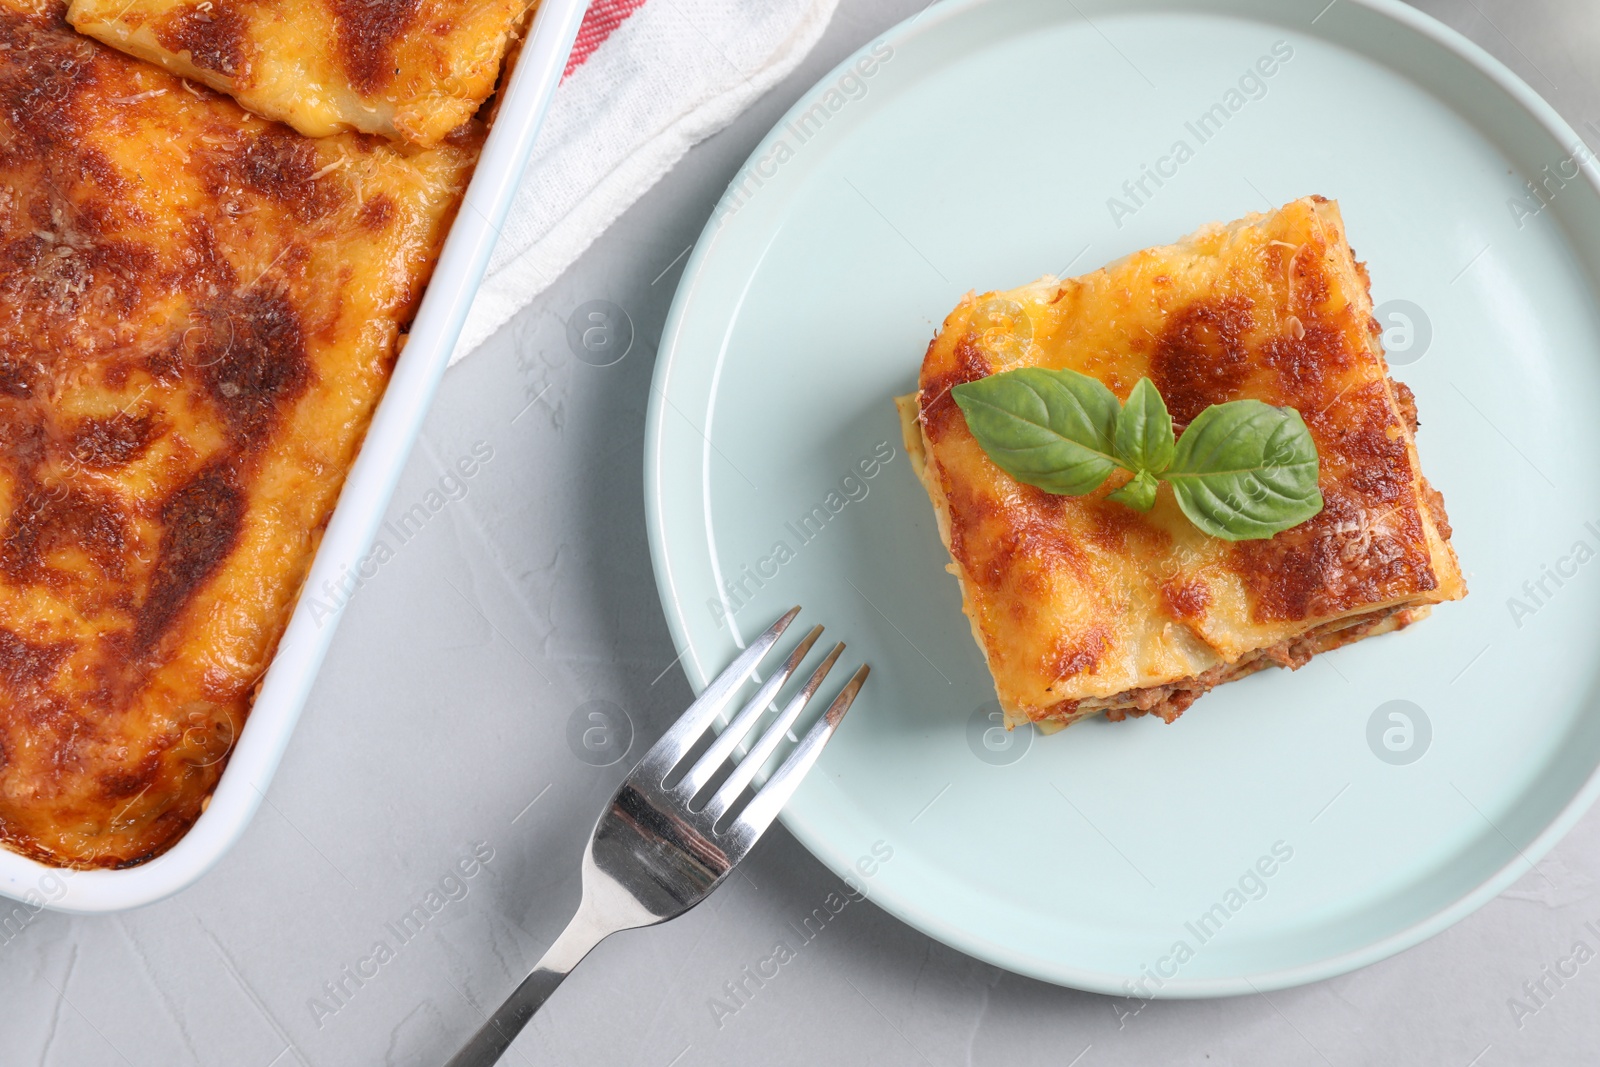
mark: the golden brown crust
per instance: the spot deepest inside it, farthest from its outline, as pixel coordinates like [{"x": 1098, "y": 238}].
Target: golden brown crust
[
  {"x": 216, "y": 39},
  {"x": 368, "y": 32},
  {"x": 413, "y": 70},
  {"x": 198, "y": 311},
  {"x": 1078, "y": 601}
]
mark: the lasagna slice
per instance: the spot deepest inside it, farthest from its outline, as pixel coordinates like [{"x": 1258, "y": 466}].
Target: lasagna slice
[
  {"x": 198, "y": 311},
  {"x": 407, "y": 69},
  {"x": 1082, "y": 605}
]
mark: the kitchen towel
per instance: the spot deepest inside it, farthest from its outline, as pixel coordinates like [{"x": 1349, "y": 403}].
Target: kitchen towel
[{"x": 646, "y": 81}]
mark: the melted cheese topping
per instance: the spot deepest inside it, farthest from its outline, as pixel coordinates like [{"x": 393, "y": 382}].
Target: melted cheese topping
[
  {"x": 406, "y": 69},
  {"x": 198, "y": 311},
  {"x": 1078, "y": 602}
]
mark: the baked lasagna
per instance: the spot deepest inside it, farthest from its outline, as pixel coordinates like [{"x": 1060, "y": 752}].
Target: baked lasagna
[
  {"x": 199, "y": 309},
  {"x": 1083, "y": 605},
  {"x": 408, "y": 69}
]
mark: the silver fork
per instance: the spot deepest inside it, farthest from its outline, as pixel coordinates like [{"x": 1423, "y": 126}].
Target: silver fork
[{"x": 652, "y": 858}]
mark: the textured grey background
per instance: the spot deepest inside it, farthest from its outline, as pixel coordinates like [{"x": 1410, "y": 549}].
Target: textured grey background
[{"x": 439, "y": 727}]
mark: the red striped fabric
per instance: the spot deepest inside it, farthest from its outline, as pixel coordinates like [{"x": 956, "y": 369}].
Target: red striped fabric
[{"x": 599, "y": 21}]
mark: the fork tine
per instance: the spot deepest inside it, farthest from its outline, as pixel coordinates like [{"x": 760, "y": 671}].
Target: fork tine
[
  {"x": 666, "y": 753},
  {"x": 723, "y": 746},
  {"x": 766, "y": 804},
  {"x": 746, "y": 768}
]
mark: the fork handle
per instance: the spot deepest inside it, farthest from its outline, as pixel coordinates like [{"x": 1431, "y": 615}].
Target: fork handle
[{"x": 495, "y": 1036}]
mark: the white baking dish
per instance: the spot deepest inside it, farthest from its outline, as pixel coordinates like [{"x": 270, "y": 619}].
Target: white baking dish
[{"x": 366, "y": 494}]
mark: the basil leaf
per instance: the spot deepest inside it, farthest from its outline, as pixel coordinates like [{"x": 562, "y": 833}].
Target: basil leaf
[
  {"x": 1048, "y": 428},
  {"x": 1246, "y": 470},
  {"x": 1144, "y": 440},
  {"x": 1139, "y": 494}
]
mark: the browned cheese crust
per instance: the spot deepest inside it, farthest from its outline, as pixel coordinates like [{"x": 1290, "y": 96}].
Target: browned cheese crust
[
  {"x": 1082, "y": 605},
  {"x": 198, "y": 311},
  {"x": 413, "y": 70}
]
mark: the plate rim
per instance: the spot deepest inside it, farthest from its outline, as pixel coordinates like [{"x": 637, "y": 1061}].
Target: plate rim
[{"x": 831, "y": 853}]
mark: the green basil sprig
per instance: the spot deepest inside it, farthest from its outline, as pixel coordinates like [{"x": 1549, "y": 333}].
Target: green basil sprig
[{"x": 1242, "y": 470}]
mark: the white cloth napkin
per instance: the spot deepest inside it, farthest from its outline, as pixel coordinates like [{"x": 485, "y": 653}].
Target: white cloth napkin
[{"x": 647, "y": 80}]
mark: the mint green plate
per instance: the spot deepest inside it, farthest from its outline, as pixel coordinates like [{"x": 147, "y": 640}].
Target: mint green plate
[{"x": 1290, "y": 826}]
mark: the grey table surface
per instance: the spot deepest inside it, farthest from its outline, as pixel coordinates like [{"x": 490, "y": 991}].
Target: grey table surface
[{"x": 435, "y": 744}]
